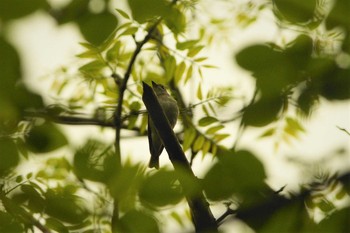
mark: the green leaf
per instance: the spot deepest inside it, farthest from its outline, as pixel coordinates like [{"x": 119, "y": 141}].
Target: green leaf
[
  {"x": 180, "y": 69},
  {"x": 45, "y": 138},
  {"x": 198, "y": 143},
  {"x": 129, "y": 31},
  {"x": 208, "y": 120},
  {"x": 186, "y": 44},
  {"x": 206, "y": 147},
  {"x": 293, "y": 123},
  {"x": 142, "y": 11},
  {"x": 235, "y": 173},
  {"x": 9, "y": 156},
  {"x": 135, "y": 221},
  {"x": 268, "y": 133},
  {"x": 161, "y": 189},
  {"x": 176, "y": 21},
  {"x": 219, "y": 137},
  {"x": 195, "y": 50},
  {"x": 296, "y": 11},
  {"x": 199, "y": 92},
  {"x": 170, "y": 67},
  {"x": 123, "y": 13},
  {"x": 214, "y": 129},
  {"x": 274, "y": 70},
  {"x": 89, "y": 159},
  {"x": 9, "y": 223},
  {"x": 65, "y": 206},
  {"x": 9, "y": 9},
  {"x": 262, "y": 112},
  {"x": 97, "y": 27},
  {"x": 189, "y": 136},
  {"x": 36, "y": 202},
  {"x": 56, "y": 225},
  {"x": 189, "y": 74},
  {"x": 94, "y": 66}
]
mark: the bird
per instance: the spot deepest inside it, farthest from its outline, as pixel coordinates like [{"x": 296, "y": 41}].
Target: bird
[{"x": 171, "y": 111}]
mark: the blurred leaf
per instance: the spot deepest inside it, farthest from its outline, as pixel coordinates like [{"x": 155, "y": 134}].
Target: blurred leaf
[
  {"x": 199, "y": 92},
  {"x": 339, "y": 15},
  {"x": 198, "y": 143},
  {"x": 45, "y": 138},
  {"x": 180, "y": 70},
  {"x": 189, "y": 74},
  {"x": 193, "y": 51},
  {"x": 273, "y": 70},
  {"x": 328, "y": 79},
  {"x": 136, "y": 221},
  {"x": 9, "y": 223},
  {"x": 295, "y": 124},
  {"x": 214, "y": 129},
  {"x": 336, "y": 222},
  {"x": 189, "y": 136},
  {"x": 9, "y": 156},
  {"x": 208, "y": 120},
  {"x": 206, "y": 147},
  {"x": 300, "y": 50},
  {"x": 186, "y": 44},
  {"x": 290, "y": 217},
  {"x": 56, "y": 225},
  {"x": 262, "y": 112},
  {"x": 161, "y": 189},
  {"x": 142, "y": 11},
  {"x": 90, "y": 162},
  {"x": 268, "y": 132},
  {"x": 219, "y": 137},
  {"x": 129, "y": 31},
  {"x": 97, "y": 27},
  {"x": 36, "y": 202},
  {"x": 65, "y": 206},
  {"x": 170, "y": 67},
  {"x": 92, "y": 67},
  {"x": 337, "y": 85},
  {"x": 297, "y": 11},
  {"x": 235, "y": 173},
  {"x": 176, "y": 21},
  {"x": 71, "y": 12},
  {"x": 125, "y": 190},
  {"x": 13, "y": 9},
  {"x": 123, "y": 13}
]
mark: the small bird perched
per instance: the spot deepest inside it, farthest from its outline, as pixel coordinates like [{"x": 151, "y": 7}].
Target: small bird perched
[{"x": 171, "y": 111}]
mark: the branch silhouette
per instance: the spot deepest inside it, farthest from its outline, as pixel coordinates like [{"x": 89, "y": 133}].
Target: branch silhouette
[{"x": 202, "y": 217}]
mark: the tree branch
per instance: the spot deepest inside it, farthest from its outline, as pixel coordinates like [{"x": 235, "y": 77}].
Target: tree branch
[
  {"x": 202, "y": 217},
  {"x": 118, "y": 111}
]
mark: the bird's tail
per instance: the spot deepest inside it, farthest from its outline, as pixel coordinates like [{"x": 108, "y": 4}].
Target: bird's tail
[{"x": 154, "y": 162}]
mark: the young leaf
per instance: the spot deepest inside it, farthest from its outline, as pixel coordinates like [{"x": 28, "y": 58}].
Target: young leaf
[
  {"x": 186, "y": 44},
  {"x": 189, "y": 74},
  {"x": 180, "y": 71},
  {"x": 189, "y": 136},
  {"x": 199, "y": 92},
  {"x": 205, "y": 121},
  {"x": 214, "y": 129},
  {"x": 198, "y": 144},
  {"x": 206, "y": 147},
  {"x": 123, "y": 13},
  {"x": 194, "y": 51}
]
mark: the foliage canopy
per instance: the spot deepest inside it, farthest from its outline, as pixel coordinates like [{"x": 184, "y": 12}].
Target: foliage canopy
[{"x": 94, "y": 188}]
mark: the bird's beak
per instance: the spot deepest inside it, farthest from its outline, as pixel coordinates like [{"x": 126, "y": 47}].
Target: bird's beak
[{"x": 154, "y": 84}]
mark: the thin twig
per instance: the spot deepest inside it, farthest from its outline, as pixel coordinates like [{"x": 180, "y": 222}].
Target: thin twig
[
  {"x": 342, "y": 129},
  {"x": 228, "y": 212}
]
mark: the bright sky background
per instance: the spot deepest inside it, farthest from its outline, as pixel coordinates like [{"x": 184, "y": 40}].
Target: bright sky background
[{"x": 45, "y": 47}]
